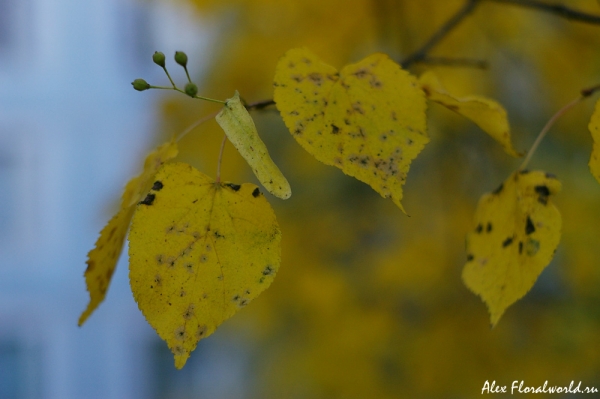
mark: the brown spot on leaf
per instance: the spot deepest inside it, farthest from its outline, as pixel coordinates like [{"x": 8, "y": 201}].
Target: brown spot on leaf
[
  {"x": 157, "y": 185},
  {"x": 148, "y": 200},
  {"x": 180, "y": 333},
  {"x": 543, "y": 194},
  {"x": 529, "y": 227}
]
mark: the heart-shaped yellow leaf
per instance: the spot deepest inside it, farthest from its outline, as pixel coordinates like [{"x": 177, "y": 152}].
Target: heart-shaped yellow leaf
[
  {"x": 517, "y": 230},
  {"x": 199, "y": 251},
  {"x": 368, "y": 119}
]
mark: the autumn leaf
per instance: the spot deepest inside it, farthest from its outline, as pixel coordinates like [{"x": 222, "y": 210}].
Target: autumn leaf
[
  {"x": 484, "y": 112},
  {"x": 198, "y": 253},
  {"x": 368, "y": 119},
  {"x": 594, "y": 127},
  {"x": 239, "y": 127},
  {"x": 102, "y": 260},
  {"x": 517, "y": 231}
]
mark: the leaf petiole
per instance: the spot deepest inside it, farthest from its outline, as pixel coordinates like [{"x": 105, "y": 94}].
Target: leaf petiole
[
  {"x": 218, "y": 178},
  {"x": 585, "y": 93}
]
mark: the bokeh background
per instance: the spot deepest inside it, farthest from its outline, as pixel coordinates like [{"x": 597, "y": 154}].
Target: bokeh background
[{"x": 368, "y": 302}]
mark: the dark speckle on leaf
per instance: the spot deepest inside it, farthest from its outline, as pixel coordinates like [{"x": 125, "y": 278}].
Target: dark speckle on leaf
[
  {"x": 157, "y": 185},
  {"x": 148, "y": 200},
  {"x": 507, "y": 242},
  {"x": 479, "y": 228},
  {"x": 234, "y": 187},
  {"x": 256, "y": 192},
  {"x": 469, "y": 257},
  {"x": 543, "y": 194},
  {"x": 489, "y": 227},
  {"x": 529, "y": 227}
]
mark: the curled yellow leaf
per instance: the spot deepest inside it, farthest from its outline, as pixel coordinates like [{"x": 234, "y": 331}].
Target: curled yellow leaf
[
  {"x": 102, "y": 260},
  {"x": 199, "y": 252},
  {"x": 239, "y": 127},
  {"x": 489, "y": 115},
  {"x": 367, "y": 119},
  {"x": 517, "y": 230}
]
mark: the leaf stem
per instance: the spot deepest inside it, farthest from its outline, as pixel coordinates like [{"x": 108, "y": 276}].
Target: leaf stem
[
  {"x": 218, "y": 179},
  {"x": 585, "y": 93},
  {"x": 169, "y": 76},
  {"x": 196, "y": 124}
]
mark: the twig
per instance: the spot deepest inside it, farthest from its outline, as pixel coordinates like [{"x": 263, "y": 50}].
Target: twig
[
  {"x": 550, "y": 123},
  {"x": 455, "y": 62},
  {"x": 421, "y": 53},
  {"x": 557, "y": 9},
  {"x": 218, "y": 179},
  {"x": 196, "y": 124},
  {"x": 585, "y": 93},
  {"x": 260, "y": 104}
]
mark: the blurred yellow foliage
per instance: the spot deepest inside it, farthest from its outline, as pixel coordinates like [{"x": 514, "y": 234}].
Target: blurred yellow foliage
[{"x": 369, "y": 303}]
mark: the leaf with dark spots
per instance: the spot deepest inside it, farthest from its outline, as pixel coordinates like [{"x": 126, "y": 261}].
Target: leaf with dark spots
[{"x": 501, "y": 272}]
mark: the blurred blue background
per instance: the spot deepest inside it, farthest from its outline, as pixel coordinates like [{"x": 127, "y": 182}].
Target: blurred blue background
[{"x": 72, "y": 132}]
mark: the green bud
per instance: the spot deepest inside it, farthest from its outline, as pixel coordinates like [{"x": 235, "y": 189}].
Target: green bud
[
  {"x": 181, "y": 58},
  {"x": 140, "y": 85},
  {"x": 159, "y": 58},
  {"x": 191, "y": 89}
]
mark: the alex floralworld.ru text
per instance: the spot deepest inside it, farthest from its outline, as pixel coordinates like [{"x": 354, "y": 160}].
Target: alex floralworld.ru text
[{"x": 520, "y": 387}]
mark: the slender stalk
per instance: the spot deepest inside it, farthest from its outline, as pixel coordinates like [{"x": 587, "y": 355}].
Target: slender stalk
[
  {"x": 196, "y": 124},
  {"x": 210, "y": 99},
  {"x": 187, "y": 74},
  {"x": 218, "y": 179},
  {"x": 585, "y": 93},
  {"x": 169, "y": 76},
  {"x": 546, "y": 128}
]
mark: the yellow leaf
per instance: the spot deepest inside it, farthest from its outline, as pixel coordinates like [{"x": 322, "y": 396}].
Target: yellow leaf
[
  {"x": 368, "y": 119},
  {"x": 199, "y": 253},
  {"x": 484, "y": 112},
  {"x": 241, "y": 131},
  {"x": 102, "y": 260},
  {"x": 594, "y": 127},
  {"x": 517, "y": 231}
]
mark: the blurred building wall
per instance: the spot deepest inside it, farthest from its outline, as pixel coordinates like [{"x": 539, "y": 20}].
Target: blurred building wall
[{"x": 72, "y": 131}]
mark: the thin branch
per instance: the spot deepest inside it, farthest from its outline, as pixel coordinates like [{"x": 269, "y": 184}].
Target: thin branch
[
  {"x": 218, "y": 179},
  {"x": 455, "y": 62},
  {"x": 557, "y": 9},
  {"x": 585, "y": 93},
  {"x": 546, "y": 128},
  {"x": 441, "y": 33},
  {"x": 260, "y": 104}
]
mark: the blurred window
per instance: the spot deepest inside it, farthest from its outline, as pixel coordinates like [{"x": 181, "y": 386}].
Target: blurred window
[
  {"x": 135, "y": 33},
  {"x": 14, "y": 19},
  {"x": 8, "y": 189},
  {"x": 19, "y": 371}
]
